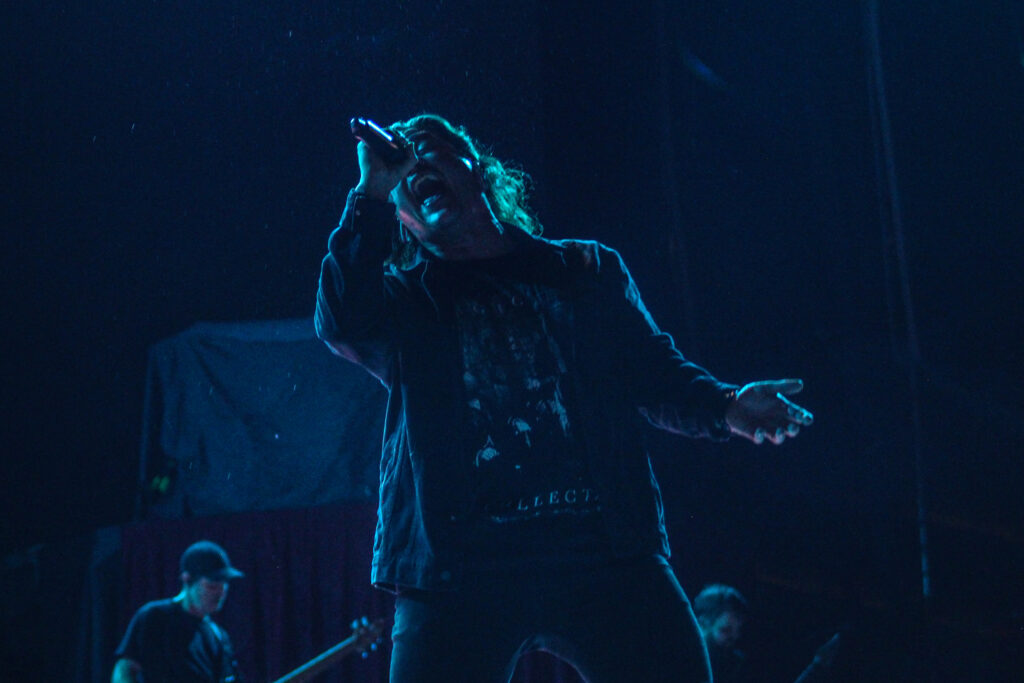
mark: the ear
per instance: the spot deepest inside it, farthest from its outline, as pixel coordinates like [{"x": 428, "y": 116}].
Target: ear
[{"x": 186, "y": 578}]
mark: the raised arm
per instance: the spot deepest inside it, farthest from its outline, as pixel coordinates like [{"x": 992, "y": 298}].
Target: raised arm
[{"x": 353, "y": 304}]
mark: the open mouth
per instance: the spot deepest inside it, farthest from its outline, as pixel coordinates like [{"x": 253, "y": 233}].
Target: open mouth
[{"x": 427, "y": 187}]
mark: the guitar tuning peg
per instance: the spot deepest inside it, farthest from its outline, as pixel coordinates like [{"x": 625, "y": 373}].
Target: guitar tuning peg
[
  {"x": 366, "y": 622},
  {"x": 365, "y": 655},
  {"x": 373, "y": 646},
  {"x": 355, "y": 623}
]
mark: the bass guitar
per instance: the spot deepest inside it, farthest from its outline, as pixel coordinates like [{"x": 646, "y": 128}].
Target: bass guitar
[{"x": 365, "y": 636}]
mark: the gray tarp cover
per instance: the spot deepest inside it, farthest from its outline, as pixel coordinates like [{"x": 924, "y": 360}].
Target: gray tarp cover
[{"x": 257, "y": 416}]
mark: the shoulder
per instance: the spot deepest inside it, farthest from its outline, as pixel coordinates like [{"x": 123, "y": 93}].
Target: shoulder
[
  {"x": 589, "y": 255},
  {"x": 156, "y": 609},
  {"x": 148, "y": 626}
]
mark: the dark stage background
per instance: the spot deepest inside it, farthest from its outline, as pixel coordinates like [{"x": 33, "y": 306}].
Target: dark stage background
[{"x": 172, "y": 163}]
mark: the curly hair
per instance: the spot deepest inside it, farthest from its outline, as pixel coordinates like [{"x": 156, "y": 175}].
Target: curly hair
[{"x": 506, "y": 186}]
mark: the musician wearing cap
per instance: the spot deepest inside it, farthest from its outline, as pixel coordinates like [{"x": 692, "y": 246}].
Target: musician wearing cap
[{"x": 175, "y": 639}]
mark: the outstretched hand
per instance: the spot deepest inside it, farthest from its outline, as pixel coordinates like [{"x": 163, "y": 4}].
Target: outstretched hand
[{"x": 761, "y": 411}]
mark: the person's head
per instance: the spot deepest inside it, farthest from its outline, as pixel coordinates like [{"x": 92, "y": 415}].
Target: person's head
[
  {"x": 721, "y": 612},
  {"x": 455, "y": 183},
  {"x": 205, "y": 574}
]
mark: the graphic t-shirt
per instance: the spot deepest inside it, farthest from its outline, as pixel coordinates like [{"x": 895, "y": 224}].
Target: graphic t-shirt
[{"x": 534, "y": 495}]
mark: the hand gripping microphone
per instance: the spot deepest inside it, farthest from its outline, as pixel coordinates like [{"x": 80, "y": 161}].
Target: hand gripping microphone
[{"x": 391, "y": 148}]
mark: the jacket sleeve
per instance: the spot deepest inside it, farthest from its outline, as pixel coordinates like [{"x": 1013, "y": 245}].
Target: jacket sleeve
[
  {"x": 354, "y": 303},
  {"x": 671, "y": 392}
]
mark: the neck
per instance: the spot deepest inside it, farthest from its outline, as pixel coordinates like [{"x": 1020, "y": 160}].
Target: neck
[
  {"x": 481, "y": 236},
  {"x": 183, "y": 598},
  {"x": 471, "y": 247}
]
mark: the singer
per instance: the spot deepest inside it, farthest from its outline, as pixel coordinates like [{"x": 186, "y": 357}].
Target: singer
[{"x": 518, "y": 509}]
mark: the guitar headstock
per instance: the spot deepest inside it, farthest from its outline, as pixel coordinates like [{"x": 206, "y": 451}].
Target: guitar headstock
[{"x": 366, "y": 634}]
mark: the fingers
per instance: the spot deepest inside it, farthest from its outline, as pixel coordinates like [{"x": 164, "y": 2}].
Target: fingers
[
  {"x": 775, "y": 437},
  {"x": 369, "y": 160},
  {"x": 377, "y": 178},
  {"x": 762, "y": 412},
  {"x": 788, "y": 387},
  {"x": 796, "y": 413}
]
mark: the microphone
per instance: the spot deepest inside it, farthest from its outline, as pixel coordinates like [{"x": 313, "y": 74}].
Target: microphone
[{"x": 391, "y": 148}]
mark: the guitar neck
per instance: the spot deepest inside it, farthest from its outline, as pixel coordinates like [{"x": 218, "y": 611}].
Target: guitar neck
[{"x": 321, "y": 662}]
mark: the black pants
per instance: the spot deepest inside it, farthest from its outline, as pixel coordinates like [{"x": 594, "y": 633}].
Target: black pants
[{"x": 624, "y": 623}]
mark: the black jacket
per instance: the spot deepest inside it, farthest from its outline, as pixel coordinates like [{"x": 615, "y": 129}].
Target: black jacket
[{"x": 398, "y": 325}]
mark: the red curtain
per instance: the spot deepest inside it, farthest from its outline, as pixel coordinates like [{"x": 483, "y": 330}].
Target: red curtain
[{"x": 307, "y": 578}]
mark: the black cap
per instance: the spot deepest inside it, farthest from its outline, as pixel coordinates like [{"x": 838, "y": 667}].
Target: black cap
[{"x": 207, "y": 559}]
